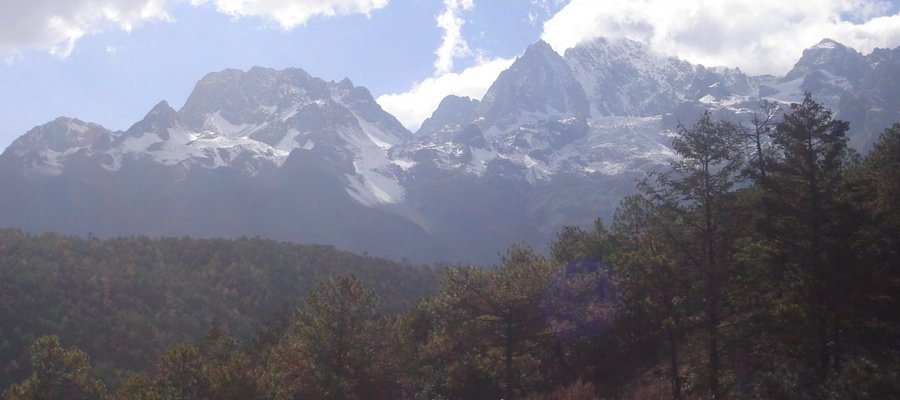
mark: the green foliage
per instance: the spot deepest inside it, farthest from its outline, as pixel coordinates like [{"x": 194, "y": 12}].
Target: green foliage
[
  {"x": 181, "y": 375},
  {"x": 494, "y": 324},
  {"x": 880, "y": 171},
  {"x": 343, "y": 340},
  {"x": 127, "y": 301},
  {"x": 576, "y": 244},
  {"x": 772, "y": 290},
  {"x": 810, "y": 222},
  {"x": 576, "y": 391},
  {"x": 57, "y": 373},
  {"x": 138, "y": 386},
  {"x": 864, "y": 380},
  {"x": 695, "y": 215},
  {"x": 655, "y": 288}
]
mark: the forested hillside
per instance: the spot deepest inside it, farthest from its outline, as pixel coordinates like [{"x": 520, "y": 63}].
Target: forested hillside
[
  {"x": 763, "y": 264},
  {"x": 126, "y": 301}
]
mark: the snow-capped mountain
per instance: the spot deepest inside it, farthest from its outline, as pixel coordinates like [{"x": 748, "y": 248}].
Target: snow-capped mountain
[
  {"x": 557, "y": 139},
  {"x": 623, "y": 78},
  {"x": 263, "y": 152},
  {"x": 861, "y": 89},
  {"x": 249, "y": 121},
  {"x": 598, "y": 109}
]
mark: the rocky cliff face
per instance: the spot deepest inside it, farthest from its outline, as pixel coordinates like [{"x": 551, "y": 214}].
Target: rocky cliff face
[{"x": 556, "y": 140}]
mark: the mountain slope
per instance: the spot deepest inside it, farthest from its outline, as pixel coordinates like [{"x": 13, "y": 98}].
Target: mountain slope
[
  {"x": 557, "y": 139},
  {"x": 236, "y": 160}
]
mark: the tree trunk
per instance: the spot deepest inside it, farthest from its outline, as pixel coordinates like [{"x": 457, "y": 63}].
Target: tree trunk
[
  {"x": 713, "y": 330},
  {"x": 673, "y": 365},
  {"x": 508, "y": 358},
  {"x": 712, "y": 295}
]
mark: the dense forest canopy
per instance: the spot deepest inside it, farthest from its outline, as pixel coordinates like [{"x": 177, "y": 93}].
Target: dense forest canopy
[
  {"x": 126, "y": 301},
  {"x": 765, "y": 263}
]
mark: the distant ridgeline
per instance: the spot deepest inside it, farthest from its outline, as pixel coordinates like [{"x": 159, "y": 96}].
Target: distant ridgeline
[
  {"x": 556, "y": 140},
  {"x": 126, "y": 301}
]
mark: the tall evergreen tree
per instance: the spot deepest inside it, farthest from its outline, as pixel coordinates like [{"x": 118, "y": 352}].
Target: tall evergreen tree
[
  {"x": 809, "y": 224},
  {"x": 654, "y": 287},
  {"x": 877, "y": 284},
  {"x": 342, "y": 337},
  {"x": 699, "y": 191}
]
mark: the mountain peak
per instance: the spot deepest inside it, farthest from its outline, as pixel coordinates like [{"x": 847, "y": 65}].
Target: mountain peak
[
  {"x": 827, "y": 44},
  {"x": 256, "y": 69},
  {"x": 161, "y": 108},
  {"x": 539, "y": 83},
  {"x": 457, "y": 100},
  {"x": 614, "y": 44},
  {"x": 539, "y": 49},
  {"x": 621, "y": 76},
  {"x": 243, "y": 97},
  {"x": 449, "y": 116},
  {"x": 832, "y": 57},
  {"x": 61, "y": 134},
  {"x": 160, "y": 118}
]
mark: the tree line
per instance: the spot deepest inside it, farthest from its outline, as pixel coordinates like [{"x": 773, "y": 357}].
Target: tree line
[
  {"x": 126, "y": 301},
  {"x": 764, "y": 263}
]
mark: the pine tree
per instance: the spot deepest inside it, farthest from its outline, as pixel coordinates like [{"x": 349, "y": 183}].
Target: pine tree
[
  {"x": 699, "y": 191},
  {"x": 877, "y": 284},
  {"x": 809, "y": 224},
  {"x": 654, "y": 287},
  {"x": 342, "y": 337},
  {"x": 495, "y": 324}
]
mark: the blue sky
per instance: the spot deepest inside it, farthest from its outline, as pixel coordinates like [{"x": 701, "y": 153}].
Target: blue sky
[{"x": 110, "y": 61}]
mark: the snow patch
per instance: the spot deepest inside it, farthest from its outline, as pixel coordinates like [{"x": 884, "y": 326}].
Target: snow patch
[
  {"x": 373, "y": 184},
  {"x": 788, "y": 92},
  {"x": 139, "y": 144},
  {"x": 480, "y": 160},
  {"x": 825, "y": 44},
  {"x": 75, "y": 126},
  {"x": 50, "y": 163},
  {"x": 404, "y": 164}
]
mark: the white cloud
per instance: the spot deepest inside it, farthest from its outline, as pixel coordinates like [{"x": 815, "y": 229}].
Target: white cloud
[
  {"x": 55, "y": 25},
  {"x": 759, "y": 36},
  {"x": 412, "y": 107},
  {"x": 292, "y": 13},
  {"x": 415, "y": 105},
  {"x": 453, "y": 45}
]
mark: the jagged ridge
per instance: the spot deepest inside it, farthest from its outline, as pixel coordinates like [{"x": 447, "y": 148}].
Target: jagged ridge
[{"x": 556, "y": 140}]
